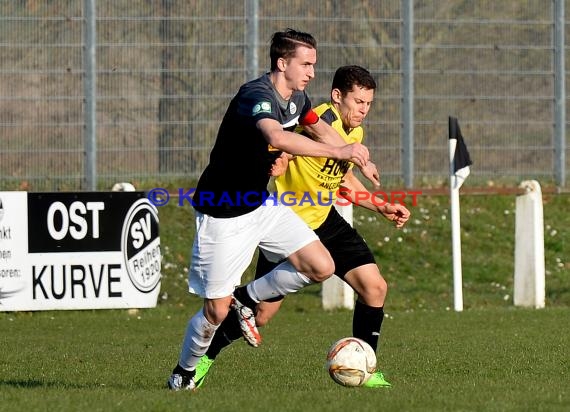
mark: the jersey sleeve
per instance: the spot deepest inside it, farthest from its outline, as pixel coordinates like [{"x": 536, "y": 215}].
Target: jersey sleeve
[
  {"x": 310, "y": 118},
  {"x": 257, "y": 105},
  {"x": 307, "y": 106}
]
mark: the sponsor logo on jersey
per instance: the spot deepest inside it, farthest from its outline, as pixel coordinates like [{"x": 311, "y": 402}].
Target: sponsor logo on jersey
[
  {"x": 261, "y": 107},
  {"x": 292, "y": 108}
]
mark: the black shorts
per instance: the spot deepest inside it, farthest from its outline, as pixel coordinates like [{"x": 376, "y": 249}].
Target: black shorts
[{"x": 347, "y": 248}]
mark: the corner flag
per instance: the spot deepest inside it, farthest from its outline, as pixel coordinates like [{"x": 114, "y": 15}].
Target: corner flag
[
  {"x": 461, "y": 159},
  {"x": 459, "y": 162}
]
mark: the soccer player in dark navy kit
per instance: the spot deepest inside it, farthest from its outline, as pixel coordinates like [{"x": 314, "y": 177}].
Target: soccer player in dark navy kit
[{"x": 234, "y": 214}]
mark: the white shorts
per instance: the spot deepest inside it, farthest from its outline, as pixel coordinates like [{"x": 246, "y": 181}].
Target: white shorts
[{"x": 224, "y": 248}]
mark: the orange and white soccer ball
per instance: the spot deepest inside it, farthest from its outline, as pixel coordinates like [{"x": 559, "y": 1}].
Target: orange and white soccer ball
[{"x": 351, "y": 361}]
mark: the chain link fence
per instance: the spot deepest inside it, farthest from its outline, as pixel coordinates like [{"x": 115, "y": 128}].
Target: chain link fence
[{"x": 165, "y": 71}]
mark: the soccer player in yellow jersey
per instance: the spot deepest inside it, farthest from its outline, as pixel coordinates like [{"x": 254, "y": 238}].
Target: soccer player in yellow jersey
[{"x": 313, "y": 184}]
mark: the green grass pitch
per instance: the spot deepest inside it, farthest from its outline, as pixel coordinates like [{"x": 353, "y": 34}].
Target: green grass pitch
[{"x": 490, "y": 357}]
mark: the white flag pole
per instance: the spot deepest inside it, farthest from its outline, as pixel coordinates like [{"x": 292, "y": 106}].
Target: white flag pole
[{"x": 454, "y": 185}]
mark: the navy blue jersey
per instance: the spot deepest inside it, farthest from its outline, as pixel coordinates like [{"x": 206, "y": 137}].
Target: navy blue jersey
[{"x": 235, "y": 180}]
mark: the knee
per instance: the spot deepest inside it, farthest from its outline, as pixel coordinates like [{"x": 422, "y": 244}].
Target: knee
[
  {"x": 266, "y": 310},
  {"x": 314, "y": 261},
  {"x": 323, "y": 271},
  {"x": 216, "y": 312},
  {"x": 217, "y": 317},
  {"x": 380, "y": 289},
  {"x": 261, "y": 319},
  {"x": 375, "y": 294}
]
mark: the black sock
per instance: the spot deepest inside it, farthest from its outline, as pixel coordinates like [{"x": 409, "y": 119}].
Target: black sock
[
  {"x": 242, "y": 295},
  {"x": 367, "y": 322},
  {"x": 228, "y": 332},
  {"x": 181, "y": 371}
]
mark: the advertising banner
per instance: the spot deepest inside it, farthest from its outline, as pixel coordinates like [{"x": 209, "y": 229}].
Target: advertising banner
[{"x": 85, "y": 250}]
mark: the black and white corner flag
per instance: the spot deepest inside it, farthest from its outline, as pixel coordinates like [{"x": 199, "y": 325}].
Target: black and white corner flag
[
  {"x": 459, "y": 162},
  {"x": 461, "y": 158}
]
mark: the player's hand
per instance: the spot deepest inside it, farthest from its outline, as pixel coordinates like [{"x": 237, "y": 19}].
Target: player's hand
[
  {"x": 279, "y": 166},
  {"x": 370, "y": 172},
  {"x": 396, "y": 213},
  {"x": 357, "y": 153}
]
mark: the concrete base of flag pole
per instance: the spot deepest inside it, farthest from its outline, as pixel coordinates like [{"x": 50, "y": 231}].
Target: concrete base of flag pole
[{"x": 529, "y": 277}]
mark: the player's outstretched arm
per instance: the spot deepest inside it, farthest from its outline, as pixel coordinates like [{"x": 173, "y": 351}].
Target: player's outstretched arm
[
  {"x": 370, "y": 171},
  {"x": 323, "y": 132},
  {"x": 297, "y": 144},
  {"x": 395, "y": 212},
  {"x": 354, "y": 191}
]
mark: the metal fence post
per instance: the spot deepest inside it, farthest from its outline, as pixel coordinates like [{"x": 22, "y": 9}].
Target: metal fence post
[
  {"x": 156, "y": 74},
  {"x": 407, "y": 115},
  {"x": 559, "y": 95},
  {"x": 252, "y": 35},
  {"x": 89, "y": 84}
]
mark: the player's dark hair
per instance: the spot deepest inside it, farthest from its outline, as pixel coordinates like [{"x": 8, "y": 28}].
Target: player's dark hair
[
  {"x": 285, "y": 43},
  {"x": 346, "y": 77}
]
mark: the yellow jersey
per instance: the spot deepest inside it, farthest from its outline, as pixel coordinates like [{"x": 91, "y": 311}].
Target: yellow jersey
[{"x": 310, "y": 184}]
